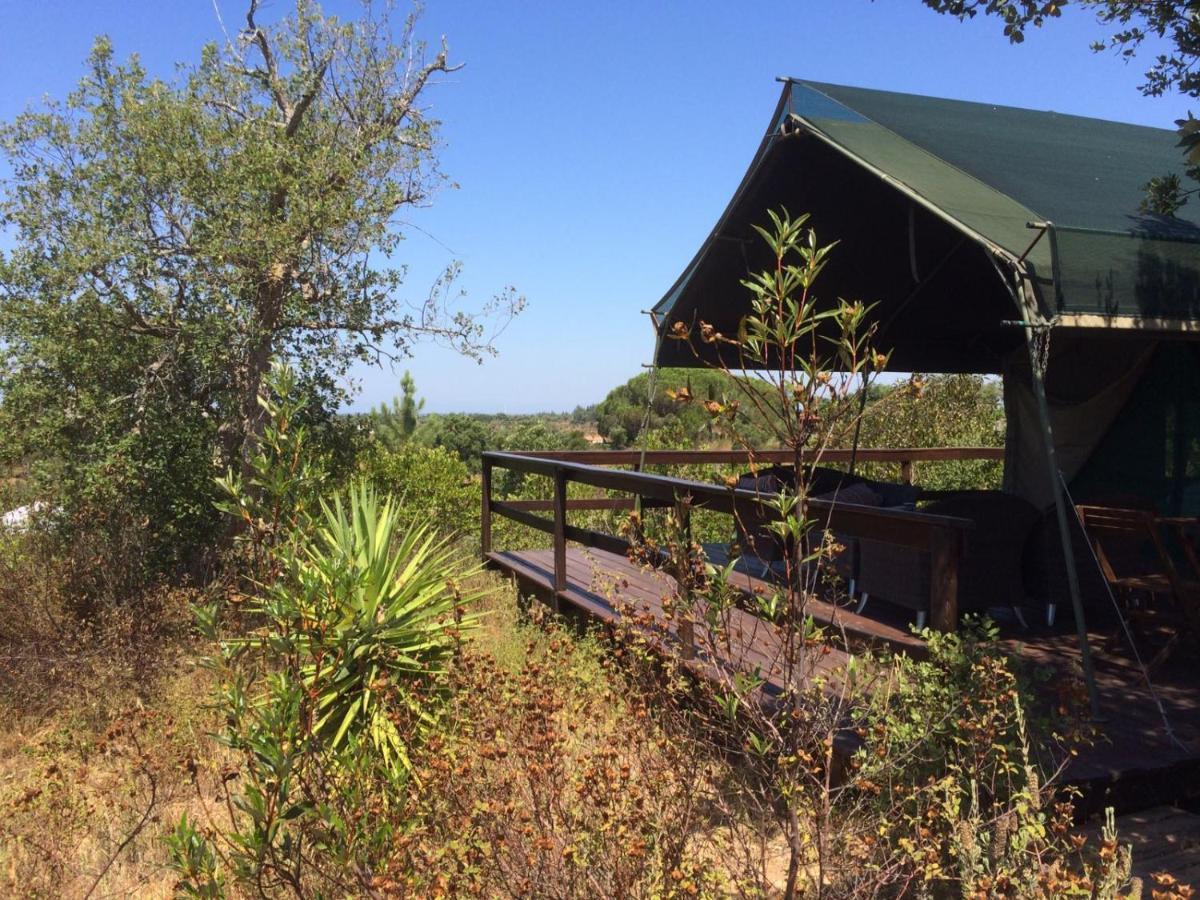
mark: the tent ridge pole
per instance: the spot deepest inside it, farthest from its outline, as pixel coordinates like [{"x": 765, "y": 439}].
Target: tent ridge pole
[{"x": 1037, "y": 378}]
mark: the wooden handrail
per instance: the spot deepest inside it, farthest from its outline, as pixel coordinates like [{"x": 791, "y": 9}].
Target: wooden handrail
[
  {"x": 905, "y": 457},
  {"x": 722, "y": 457},
  {"x": 942, "y": 536}
]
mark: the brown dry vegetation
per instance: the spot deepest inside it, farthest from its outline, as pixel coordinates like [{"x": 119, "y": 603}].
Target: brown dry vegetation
[
  {"x": 562, "y": 766},
  {"x": 103, "y": 717}
]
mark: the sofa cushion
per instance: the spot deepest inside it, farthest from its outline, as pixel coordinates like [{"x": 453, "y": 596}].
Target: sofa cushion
[
  {"x": 897, "y": 496},
  {"x": 754, "y": 533},
  {"x": 859, "y": 493}
]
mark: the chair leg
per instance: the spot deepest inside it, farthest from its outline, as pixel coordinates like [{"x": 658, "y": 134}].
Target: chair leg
[
  {"x": 1020, "y": 614},
  {"x": 922, "y": 618},
  {"x": 862, "y": 603},
  {"x": 1051, "y": 612},
  {"x": 850, "y": 588}
]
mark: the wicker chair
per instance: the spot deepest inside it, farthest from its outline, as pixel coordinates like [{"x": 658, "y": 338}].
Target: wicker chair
[{"x": 990, "y": 573}]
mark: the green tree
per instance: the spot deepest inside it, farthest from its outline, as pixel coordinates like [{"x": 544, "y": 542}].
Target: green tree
[
  {"x": 621, "y": 415},
  {"x": 1133, "y": 21},
  {"x": 393, "y": 424},
  {"x": 171, "y": 238},
  {"x": 410, "y": 407},
  {"x": 937, "y": 411},
  {"x": 463, "y": 435}
]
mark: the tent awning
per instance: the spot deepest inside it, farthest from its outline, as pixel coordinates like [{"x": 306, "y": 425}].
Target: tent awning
[{"x": 925, "y": 195}]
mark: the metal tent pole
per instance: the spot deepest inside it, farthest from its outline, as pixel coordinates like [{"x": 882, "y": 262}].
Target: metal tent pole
[{"x": 1037, "y": 369}]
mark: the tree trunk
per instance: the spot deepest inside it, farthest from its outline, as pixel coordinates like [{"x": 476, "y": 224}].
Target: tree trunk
[{"x": 255, "y": 368}]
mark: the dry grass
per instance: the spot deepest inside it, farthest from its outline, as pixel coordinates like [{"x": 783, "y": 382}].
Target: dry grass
[{"x": 105, "y": 718}]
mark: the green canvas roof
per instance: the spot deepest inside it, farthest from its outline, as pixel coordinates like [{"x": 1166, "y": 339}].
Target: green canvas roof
[{"x": 902, "y": 181}]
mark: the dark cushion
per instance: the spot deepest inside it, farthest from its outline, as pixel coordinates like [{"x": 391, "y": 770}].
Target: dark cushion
[
  {"x": 822, "y": 480},
  {"x": 897, "y": 496},
  {"x": 859, "y": 493}
]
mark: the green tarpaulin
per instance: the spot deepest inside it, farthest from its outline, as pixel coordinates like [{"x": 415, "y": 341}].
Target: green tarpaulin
[{"x": 913, "y": 170}]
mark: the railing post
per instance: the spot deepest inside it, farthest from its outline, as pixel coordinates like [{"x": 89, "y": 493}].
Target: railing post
[
  {"x": 560, "y": 533},
  {"x": 485, "y": 515},
  {"x": 906, "y": 471},
  {"x": 945, "y": 553}
]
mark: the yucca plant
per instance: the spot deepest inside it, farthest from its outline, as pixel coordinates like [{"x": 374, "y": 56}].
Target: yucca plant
[{"x": 366, "y": 617}]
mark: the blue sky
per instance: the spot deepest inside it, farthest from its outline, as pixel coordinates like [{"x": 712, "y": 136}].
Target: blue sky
[{"x": 594, "y": 145}]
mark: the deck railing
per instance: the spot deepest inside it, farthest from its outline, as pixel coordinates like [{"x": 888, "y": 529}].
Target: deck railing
[{"x": 943, "y": 537}]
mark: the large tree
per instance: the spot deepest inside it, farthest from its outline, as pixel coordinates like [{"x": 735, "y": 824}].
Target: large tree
[{"x": 171, "y": 237}]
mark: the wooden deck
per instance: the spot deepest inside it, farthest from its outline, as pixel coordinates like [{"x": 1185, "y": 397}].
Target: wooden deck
[
  {"x": 600, "y": 584},
  {"x": 1136, "y": 762}
]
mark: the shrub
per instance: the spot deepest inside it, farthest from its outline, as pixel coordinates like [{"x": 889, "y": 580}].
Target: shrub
[
  {"x": 938, "y": 411},
  {"x": 463, "y": 435},
  {"x": 958, "y": 794},
  {"x": 550, "y": 778},
  {"x": 325, "y": 698},
  {"x": 431, "y": 485}
]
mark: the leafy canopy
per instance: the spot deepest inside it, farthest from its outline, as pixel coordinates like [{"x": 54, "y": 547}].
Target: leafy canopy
[{"x": 170, "y": 238}]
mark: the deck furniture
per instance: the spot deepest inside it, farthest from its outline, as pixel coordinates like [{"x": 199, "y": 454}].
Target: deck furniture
[
  {"x": 1135, "y": 561},
  {"x": 760, "y": 552},
  {"x": 990, "y": 571},
  {"x": 1045, "y": 573},
  {"x": 940, "y": 536},
  {"x": 1186, "y": 530}
]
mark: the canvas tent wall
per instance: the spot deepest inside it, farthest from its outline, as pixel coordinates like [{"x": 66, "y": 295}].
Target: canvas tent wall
[{"x": 961, "y": 220}]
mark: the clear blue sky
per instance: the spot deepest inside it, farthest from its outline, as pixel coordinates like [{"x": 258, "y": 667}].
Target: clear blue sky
[{"x": 595, "y": 144}]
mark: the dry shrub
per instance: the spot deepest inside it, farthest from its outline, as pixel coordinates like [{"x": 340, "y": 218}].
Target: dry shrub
[
  {"x": 550, "y": 779},
  {"x": 86, "y": 803},
  {"x": 59, "y": 651},
  {"x": 104, "y": 717}
]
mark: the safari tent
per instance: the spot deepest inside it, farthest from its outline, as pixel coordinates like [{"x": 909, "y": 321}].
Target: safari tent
[{"x": 999, "y": 241}]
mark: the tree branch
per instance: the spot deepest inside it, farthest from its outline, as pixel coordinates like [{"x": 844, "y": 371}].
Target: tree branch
[{"x": 270, "y": 77}]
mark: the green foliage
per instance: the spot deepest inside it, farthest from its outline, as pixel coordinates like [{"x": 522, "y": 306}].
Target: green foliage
[
  {"x": 460, "y": 434},
  {"x": 948, "y": 768},
  {"x": 938, "y": 411},
  {"x": 341, "y": 673},
  {"x": 432, "y": 485},
  {"x": 193, "y": 859},
  {"x": 171, "y": 238},
  {"x": 392, "y": 425},
  {"x": 364, "y": 612},
  {"x": 278, "y": 491},
  {"x": 1017, "y": 15},
  {"x": 622, "y": 413},
  {"x": 532, "y": 435}
]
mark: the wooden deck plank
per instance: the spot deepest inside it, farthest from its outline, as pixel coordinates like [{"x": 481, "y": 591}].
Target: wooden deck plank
[
  {"x": 1163, "y": 839},
  {"x": 597, "y": 585},
  {"x": 1134, "y": 749}
]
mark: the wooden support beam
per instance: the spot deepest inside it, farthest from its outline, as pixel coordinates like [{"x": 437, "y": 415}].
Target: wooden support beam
[
  {"x": 560, "y": 533},
  {"x": 945, "y": 553},
  {"x": 485, "y": 516}
]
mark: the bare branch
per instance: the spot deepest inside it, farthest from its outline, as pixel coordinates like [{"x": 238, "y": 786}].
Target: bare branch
[
  {"x": 269, "y": 77},
  {"x": 297, "y": 116}
]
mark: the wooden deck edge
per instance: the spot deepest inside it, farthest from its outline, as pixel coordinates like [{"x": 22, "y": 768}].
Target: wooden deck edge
[
  {"x": 1132, "y": 788},
  {"x": 860, "y": 633}
]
